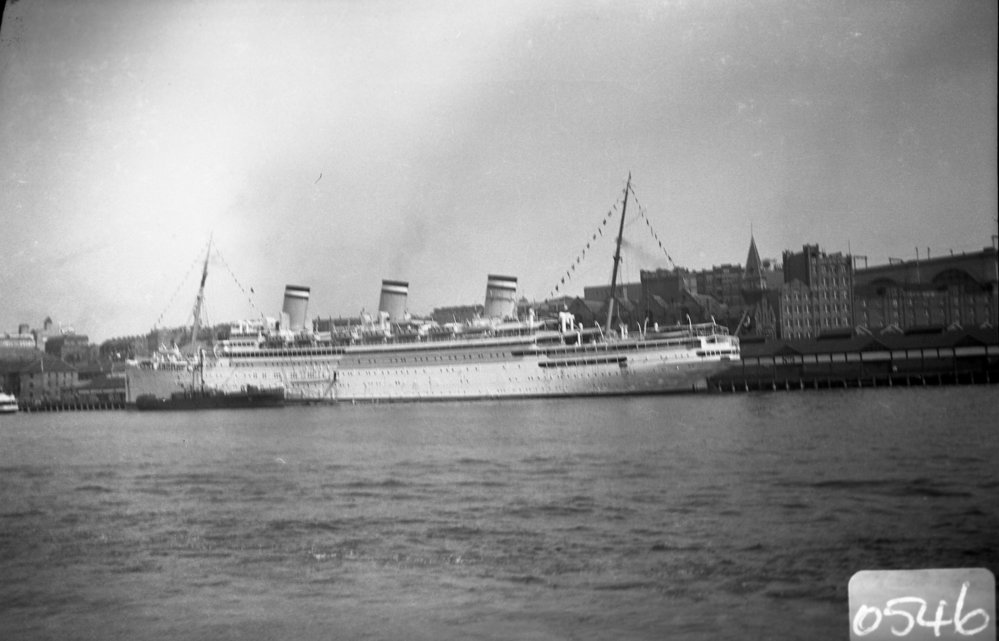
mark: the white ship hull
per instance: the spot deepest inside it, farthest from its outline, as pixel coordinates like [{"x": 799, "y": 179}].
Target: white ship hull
[{"x": 456, "y": 370}]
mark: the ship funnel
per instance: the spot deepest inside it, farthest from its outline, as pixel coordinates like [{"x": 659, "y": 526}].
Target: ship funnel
[
  {"x": 501, "y": 297},
  {"x": 393, "y": 299},
  {"x": 296, "y": 305}
]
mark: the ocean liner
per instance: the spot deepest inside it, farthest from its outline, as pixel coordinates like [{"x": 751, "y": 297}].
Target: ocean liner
[{"x": 396, "y": 358}]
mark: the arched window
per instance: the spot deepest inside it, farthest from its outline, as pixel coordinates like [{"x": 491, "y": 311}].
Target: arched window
[{"x": 957, "y": 279}]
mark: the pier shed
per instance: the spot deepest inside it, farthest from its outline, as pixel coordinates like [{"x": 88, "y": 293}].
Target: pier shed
[{"x": 954, "y": 357}]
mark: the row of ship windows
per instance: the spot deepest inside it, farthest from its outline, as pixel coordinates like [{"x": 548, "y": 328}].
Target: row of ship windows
[
  {"x": 546, "y": 364},
  {"x": 289, "y": 353},
  {"x": 386, "y": 372},
  {"x": 269, "y": 364},
  {"x": 379, "y": 372},
  {"x": 562, "y": 375},
  {"x": 371, "y": 372},
  {"x": 441, "y": 358},
  {"x": 715, "y": 352},
  {"x": 398, "y": 359},
  {"x": 604, "y": 373},
  {"x": 431, "y": 359},
  {"x": 363, "y": 372}
]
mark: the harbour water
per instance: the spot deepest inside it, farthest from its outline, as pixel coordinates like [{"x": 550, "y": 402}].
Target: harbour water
[{"x": 683, "y": 517}]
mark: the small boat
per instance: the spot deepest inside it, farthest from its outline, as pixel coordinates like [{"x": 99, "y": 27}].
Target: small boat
[
  {"x": 8, "y": 403},
  {"x": 210, "y": 399}
]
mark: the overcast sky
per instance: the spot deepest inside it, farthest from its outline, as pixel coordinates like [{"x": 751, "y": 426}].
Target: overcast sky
[{"x": 334, "y": 144}]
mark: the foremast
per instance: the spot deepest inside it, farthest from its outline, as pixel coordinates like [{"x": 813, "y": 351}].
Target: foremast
[
  {"x": 199, "y": 302},
  {"x": 617, "y": 256}
]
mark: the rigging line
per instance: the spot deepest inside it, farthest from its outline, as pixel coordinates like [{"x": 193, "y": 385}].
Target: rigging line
[
  {"x": 173, "y": 296},
  {"x": 248, "y": 295},
  {"x": 599, "y": 233},
  {"x": 652, "y": 230}
]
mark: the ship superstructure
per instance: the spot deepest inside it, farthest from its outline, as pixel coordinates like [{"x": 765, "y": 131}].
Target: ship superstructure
[{"x": 394, "y": 357}]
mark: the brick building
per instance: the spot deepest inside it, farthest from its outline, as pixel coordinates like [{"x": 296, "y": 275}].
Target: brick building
[
  {"x": 723, "y": 283},
  {"x": 669, "y": 296},
  {"x": 625, "y": 292},
  {"x": 817, "y": 296},
  {"x": 72, "y": 348},
  {"x": 947, "y": 291},
  {"x": 42, "y": 378}
]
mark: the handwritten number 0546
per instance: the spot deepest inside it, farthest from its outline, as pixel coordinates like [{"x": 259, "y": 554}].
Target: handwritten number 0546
[{"x": 862, "y": 628}]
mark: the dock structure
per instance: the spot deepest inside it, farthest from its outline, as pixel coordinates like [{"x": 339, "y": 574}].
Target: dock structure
[
  {"x": 946, "y": 358},
  {"x": 72, "y": 405},
  {"x": 963, "y": 357}
]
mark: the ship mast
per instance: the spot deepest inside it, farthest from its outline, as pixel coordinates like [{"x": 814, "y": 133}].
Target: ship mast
[
  {"x": 199, "y": 301},
  {"x": 617, "y": 256}
]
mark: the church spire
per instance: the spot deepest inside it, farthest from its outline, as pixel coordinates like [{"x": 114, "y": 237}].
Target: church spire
[
  {"x": 753, "y": 275},
  {"x": 759, "y": 317}
]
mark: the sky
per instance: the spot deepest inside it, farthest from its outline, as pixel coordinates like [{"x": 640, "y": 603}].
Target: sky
[{"x": 335, "y": 144}]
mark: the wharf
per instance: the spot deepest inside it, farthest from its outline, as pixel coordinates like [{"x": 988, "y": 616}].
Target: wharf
[
  {"x": 963, "y": 357},
  {"x": 75, "y": 405}
]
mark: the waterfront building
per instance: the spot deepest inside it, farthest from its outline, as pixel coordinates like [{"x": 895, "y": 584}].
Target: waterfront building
[
  {"x": 816, "y": 297},
  {"x": 26, "y": 341},
  {"x": 951, "y": 291},
  {"x": 125, "y": 347},
  {"x": 42, "y": 335},
  {"x": 670, "y": 296},
  {"x": 742, "y": 298},
  {"x": 584, "y": 312},
  {"x": 723, "y": 283},
  {"x": 39, "y": 379},
  {"x": 14, "y": 345},
  {"x": 70, "y": 347},
  {"x": 625, "y": 292},
  {"x": 628, "y": 309}
]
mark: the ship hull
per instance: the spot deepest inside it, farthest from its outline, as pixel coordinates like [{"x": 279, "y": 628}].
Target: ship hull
[
  {"x": 249, "y": 399},
  {"x": 458, "y": 371}
]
